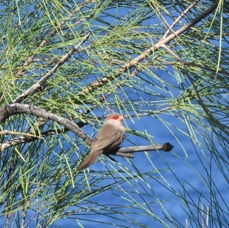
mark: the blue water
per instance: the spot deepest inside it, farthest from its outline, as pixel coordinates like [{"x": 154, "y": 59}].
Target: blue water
[
  {"x": 183, "y": 170},
  {"x": 188, "y": 167}
]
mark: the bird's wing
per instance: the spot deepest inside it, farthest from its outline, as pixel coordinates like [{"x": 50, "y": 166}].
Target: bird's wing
[
  {"x": 110, "y": 136},
  {"x": 90, "y": 159}
]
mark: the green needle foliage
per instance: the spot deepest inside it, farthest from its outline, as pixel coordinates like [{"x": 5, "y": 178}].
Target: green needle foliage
[{"x": 81, "y": 59}]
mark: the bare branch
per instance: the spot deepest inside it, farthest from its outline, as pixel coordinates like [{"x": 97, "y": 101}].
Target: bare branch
[
  {"x": 38, "y": 84},
  {"x": 165, "y": 147},
  {"x": 148, "y": 52},
  {"x": 6, "y": 132},
  {"x": 128, "y": 151},
  {"x": 16, "y": 141},
  {"x": 30, "y": 59},
  {"x": 189, "y": 25},
  {"x": 178, "y": 19},
  {"x": 28, "y": 138},
  {"x": 14, "y": 109}
]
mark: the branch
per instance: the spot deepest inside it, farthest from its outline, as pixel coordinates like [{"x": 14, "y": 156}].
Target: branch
[
  {"x": 28, "y": 138},
  {"x": 30, "y": 59},
  {"x": 6, "y": 132},
  {"x": 189, "y": 25},
  {"x": 14, "y": 109},
  {"x": 165, "y": 147},
  {"x": 178, "y": 18},
  {"x": 145, "y": 54},
  {"x": 128, "y": 151},
  {"x": 42, "y": 81}
]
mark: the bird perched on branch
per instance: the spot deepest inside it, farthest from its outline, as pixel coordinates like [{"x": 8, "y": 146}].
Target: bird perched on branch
[{"x": 109, "y": 138}]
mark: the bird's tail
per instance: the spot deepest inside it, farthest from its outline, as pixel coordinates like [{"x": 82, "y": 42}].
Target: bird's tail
[{"x": 89, "y": 160}]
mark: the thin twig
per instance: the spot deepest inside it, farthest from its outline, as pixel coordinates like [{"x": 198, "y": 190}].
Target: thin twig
[
  {"x": 16, "y": 141},
  {"x": 171, "y": 52},
  {"x": 6, "y": 132},
  {"x": 178, "y": 18},
  {"x": 30, "y": 138},
  {"x": 156, "y": 111}
]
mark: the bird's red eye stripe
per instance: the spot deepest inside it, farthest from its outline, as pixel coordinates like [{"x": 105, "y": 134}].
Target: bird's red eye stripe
[
  {"x": 118, "y": 117},
  {"x": 115, "y": 117}
]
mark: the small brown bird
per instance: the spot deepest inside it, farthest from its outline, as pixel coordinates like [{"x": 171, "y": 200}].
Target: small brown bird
[{"x": 110, "y": 137}]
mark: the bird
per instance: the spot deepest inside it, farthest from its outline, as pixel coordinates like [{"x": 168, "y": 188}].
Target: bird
[{"x": 109, "y": 138}]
